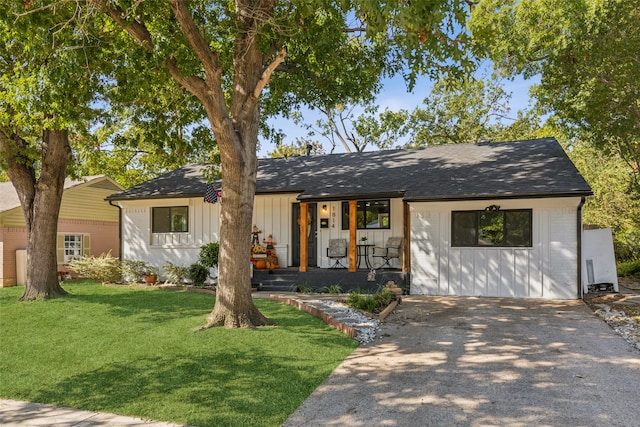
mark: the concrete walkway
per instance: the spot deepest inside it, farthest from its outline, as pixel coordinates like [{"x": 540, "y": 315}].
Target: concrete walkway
[
  {"x": 18, "y": 413},
  {"x": 456, "y": 362}
]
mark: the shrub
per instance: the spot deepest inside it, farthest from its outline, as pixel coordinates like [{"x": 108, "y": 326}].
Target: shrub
[
  {"x": 304, "y": 289},
  {"x": 374, "y": 303},
  {"x": 198, "y": 273},
  {"x": 209, "y": 253},
  {"x": 103, "y": 268},
  {"x": 175, "y": 273},
  {"x": 629, "y": 268},
  {"x": 335, "y": 289},
  {"x": 627, "y": 246}
]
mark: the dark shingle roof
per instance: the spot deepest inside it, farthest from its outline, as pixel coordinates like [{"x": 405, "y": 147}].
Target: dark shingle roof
[{"x": 532, "y": 168}]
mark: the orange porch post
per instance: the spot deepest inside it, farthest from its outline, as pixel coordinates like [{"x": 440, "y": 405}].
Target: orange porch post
[
  {"x": 304, "y": 241},
  {"x": 353, "y": 225}
]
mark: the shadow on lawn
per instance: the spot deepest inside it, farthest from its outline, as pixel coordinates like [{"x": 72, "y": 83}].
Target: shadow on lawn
[
  {"x": 227, "y": 377},
  {"x": 150, "y": 305},
  {"x": 200, "y": 392}
]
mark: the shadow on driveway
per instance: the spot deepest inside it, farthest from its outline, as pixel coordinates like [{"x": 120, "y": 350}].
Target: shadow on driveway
[{"x": 483, "y": 362}]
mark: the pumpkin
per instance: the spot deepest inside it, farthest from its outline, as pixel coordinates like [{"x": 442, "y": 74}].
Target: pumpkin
[{"x": 261, "y": 264}]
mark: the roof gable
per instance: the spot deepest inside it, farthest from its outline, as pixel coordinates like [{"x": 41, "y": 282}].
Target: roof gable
[{"x": 9, "y": 197}]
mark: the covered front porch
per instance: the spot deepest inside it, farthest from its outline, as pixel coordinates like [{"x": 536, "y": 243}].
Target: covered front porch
[
  {"x": 367, "y": 235},
  {"x": 321, "y": 279}
]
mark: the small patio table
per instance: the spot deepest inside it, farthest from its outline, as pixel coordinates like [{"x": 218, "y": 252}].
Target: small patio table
[{"x": 362, "y": 252}]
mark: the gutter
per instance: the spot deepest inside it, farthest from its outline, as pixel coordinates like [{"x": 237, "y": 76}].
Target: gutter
[
  {"x": 579, "y": 231},
  {"x": 119, "y": 228},
  {"x": 472, "y": 197}
]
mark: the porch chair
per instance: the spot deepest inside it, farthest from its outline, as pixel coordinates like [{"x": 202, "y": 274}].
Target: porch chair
[
  {"x": 336, "y": 251},
  {"x": 393, "y": 249}
]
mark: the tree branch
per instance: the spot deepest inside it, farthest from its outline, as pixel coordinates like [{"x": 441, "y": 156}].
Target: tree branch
[
  {"x": 136, "y": 28},
  {"x": 193, "y": 84},
  {"x": 196, "y": 40},
  {"x": 266, "y": 75}
]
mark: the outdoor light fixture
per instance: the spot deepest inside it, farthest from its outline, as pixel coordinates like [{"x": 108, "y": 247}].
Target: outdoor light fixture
[{"x": 325, "y": 211}]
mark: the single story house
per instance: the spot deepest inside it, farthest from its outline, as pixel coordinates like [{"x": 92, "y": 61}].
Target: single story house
[
  {"x": 486, "y": 219},
  {"x": 87, "y": 225}
]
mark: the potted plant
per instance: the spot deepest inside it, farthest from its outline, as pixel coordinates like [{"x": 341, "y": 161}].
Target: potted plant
[
  {"x": 134, "y": 270},
  {"x": 150, "y": 274}
]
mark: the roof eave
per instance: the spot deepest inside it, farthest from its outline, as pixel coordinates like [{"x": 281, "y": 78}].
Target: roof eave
[
  {"x": 154, "y": 197},
  {"x": 457, "y": 198},
  {"x": 350, "y": 196}
]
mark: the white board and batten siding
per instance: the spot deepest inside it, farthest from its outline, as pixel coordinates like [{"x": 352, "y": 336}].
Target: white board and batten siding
[
  {"x": 157, "y": 248},
  {"x": 272, "y": 214},
  {"x": 547, "y": 269}
]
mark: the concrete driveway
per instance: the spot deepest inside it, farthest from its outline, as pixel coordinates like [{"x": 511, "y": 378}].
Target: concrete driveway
[{"x": 451, "y": 361}]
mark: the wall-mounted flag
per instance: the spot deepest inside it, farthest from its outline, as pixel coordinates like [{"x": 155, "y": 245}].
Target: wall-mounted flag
[{"x": 211, "y": 195}]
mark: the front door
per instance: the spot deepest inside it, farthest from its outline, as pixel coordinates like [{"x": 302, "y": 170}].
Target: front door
[{"x": 312, "y": 234}]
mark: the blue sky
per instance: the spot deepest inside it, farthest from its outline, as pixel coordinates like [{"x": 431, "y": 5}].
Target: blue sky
[{"x": 394, "y": 95}]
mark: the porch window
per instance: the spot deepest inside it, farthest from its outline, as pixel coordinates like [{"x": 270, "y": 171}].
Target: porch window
[
  {"x": 508, "y": 228},
  {"x": 174, "y": 219},
  {"x": 371, "y": 214}
]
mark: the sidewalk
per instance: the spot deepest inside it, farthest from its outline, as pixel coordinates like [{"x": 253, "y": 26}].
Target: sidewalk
[{"x": 18, "y": 413}]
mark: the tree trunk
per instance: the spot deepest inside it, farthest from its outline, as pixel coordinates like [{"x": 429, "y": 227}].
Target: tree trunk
[
  {"x": 40, "y": 200},
  {"x": 236, "y": 131},
  {"x": 237, "y": 139},
  {"x": 234, "y": 307}
]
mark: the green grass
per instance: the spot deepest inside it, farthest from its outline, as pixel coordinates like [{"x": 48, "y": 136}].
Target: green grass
[{"x": 132, "y": 351}]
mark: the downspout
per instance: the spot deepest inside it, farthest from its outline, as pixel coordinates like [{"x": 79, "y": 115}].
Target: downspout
[
  {"x": 406, "y": 231},
  {"x": 119, "y": 229},
  {"x": 579, "y": 230}
]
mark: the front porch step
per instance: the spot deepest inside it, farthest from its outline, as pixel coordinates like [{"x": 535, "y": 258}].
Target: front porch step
[{"x": 320, "y": 279}]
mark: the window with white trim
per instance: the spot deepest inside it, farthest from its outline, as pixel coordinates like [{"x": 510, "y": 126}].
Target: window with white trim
[
  {"x": 72, "y": 247},
  {"x": 170, "y": 219}
]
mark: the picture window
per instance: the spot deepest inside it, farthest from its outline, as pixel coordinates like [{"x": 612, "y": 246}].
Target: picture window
[
  {"x": 174, "y": 219},
  {"x": 507, "y": 228}
]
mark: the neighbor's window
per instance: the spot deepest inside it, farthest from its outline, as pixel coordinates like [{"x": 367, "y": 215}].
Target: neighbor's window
[
  {"x": 72, "y": 247},
  {"x": 491, "y": 228},
  {"x": 174, "y": 219},
  {"x": 370, "y": 214}
]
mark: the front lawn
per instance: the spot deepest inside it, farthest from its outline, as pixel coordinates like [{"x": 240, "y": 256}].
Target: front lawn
[{"x": 132, "y": 351}]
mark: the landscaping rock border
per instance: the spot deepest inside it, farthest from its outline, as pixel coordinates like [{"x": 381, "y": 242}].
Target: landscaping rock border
[{"x": 345, "y": 319}]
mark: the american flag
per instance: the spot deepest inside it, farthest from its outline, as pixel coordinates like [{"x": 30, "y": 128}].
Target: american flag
[{"x": 211, "y": 195}]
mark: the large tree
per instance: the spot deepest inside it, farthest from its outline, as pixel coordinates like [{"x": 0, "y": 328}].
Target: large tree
[
  {"x": 227, "y": 53},
  {"x": 46, "y": 86},
  {"x": 455, "y": 111},
  {"x": 587, "y": 54}
]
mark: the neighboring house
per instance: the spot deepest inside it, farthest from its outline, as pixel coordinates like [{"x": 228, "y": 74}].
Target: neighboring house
[
  {"x": 87, "y": 225},
  {"x": 489, "y": 219}
]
